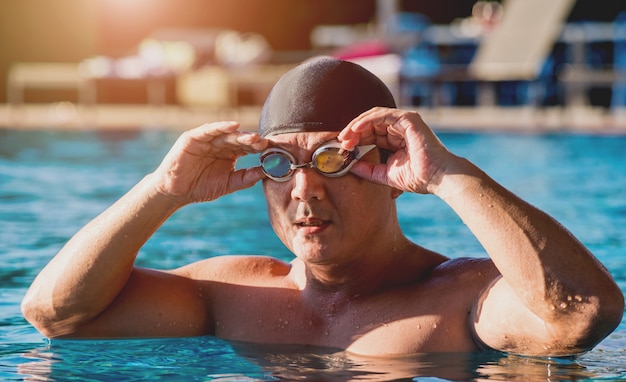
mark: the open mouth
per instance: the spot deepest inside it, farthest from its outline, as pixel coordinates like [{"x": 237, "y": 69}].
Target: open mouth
[{"x": 312, "y": 223}]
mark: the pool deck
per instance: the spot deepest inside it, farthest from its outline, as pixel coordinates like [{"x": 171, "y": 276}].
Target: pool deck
[{"x": 69, "y": 116}]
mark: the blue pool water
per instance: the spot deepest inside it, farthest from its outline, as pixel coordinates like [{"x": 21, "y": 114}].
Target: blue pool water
[{"x": 52, "y": 183}]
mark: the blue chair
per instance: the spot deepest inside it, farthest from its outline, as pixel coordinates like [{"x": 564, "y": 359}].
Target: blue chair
[
  {"x": 420, "y": 63},
  {"x": 420, "y": 60},
  {"x": 533, "y": 93}
]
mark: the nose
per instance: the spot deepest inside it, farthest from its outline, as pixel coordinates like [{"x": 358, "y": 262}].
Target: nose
[{"x": 308, "y": 184}]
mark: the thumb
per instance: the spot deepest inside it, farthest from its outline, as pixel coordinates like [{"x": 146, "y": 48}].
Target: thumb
[
  {"x": 244, "y": 178},
  {"x": 376, "y": 173}
]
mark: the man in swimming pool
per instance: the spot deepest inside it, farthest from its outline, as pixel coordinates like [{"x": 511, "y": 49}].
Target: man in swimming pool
[{"x": 357, "y": 282}]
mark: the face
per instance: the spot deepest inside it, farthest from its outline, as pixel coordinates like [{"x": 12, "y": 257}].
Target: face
[{"x": 324, "y": 219}]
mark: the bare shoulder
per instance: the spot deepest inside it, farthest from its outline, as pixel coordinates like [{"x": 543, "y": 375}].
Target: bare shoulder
[
  {"x": 466, "y": 263},
  {"x": 235, "y": 268},
  {"x": 463, "y": 269}
]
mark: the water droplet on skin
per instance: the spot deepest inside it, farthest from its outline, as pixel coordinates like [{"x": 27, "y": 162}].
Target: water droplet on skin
[
  {"x": 578, "y": 298},
  {"x": 434, "y": 326},
  {"x": 563, "y": 305},
  {"x": 358, "y": 327}
]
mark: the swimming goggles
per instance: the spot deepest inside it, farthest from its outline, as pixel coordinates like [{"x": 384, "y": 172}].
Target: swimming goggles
[{"x": 329, "y": 160}]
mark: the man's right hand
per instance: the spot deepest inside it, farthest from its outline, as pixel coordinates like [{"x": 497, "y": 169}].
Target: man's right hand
[{"x": 201, "y": 165}]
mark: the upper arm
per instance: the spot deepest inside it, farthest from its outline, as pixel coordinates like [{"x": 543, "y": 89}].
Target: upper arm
[
  {"x": 177, "y": 303},
  {"x": 503, "y": 322},
  {"x": 153, "y": 304}
]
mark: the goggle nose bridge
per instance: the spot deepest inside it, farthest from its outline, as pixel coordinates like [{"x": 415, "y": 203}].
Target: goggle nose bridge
[{"x": 293, "y": 166}]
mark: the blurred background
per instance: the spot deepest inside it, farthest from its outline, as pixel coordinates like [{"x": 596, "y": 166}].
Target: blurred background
[{"x": 217, "y": 56}]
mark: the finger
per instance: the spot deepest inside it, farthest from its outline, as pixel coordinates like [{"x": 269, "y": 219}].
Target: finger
[
  {"x": 245, "y": 178},
  {"x": 368, "y": 127},
  {"x": 206, "y": 133},
  {"x": 376, "y": 111},
  {"x": 214, "y": 129},
  {"x": 350, "y": 138},
  {"x": 390, "y": 127},
  {"x": 238, "y": 143},
  {"x": 253, "y": 142},
  {"x": 379, "y": 120},
  {"x": 216, "y": 137}
]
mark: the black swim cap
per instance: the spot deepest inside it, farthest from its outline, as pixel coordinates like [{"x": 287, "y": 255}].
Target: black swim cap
[{"x": 321, "y": 94}]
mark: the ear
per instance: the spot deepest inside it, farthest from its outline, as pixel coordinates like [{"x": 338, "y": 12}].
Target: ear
[{"x": 395, "y": 193}]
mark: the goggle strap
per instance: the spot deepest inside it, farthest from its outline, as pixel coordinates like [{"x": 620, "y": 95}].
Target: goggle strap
[{"x": 362, "y": 150}]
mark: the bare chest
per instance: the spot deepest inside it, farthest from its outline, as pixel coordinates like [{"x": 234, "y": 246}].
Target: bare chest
[{"x": 405, "y": 321}]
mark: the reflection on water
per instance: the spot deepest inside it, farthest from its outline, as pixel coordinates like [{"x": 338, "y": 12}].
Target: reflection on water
[
  {"x": 299, "y": 363},
  {"x": 208, "y": 358},
  {"x": 52, "y": 183}
]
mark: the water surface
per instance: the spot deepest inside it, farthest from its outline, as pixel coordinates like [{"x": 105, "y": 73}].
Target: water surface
[{"x": 54, "y": 182}]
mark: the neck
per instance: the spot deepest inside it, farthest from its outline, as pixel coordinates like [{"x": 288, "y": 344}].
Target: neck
[{"x": 368, "y": 274}]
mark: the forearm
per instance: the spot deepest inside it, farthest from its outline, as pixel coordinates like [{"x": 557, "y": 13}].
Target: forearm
[
  {"x": 550, "y": 270},
  {"x": 93, "y": 267}
]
